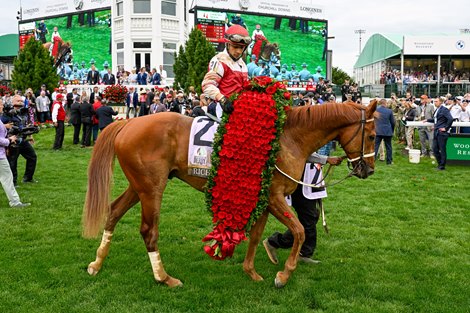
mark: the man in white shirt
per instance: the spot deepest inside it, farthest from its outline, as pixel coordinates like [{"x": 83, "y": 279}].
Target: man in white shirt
[
  {"x": 163, "y": 75},
  {"x": 257, "y": 32},
  {"x": 465, "y": 116}
]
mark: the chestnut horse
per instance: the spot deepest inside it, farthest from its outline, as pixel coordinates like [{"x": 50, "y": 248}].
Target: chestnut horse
[{"x": 154, "y": 148}]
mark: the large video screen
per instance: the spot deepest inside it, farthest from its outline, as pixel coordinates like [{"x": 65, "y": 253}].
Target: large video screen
[
  {"x": 299, "y": 41},
  {"x": 89, "y": 34}
]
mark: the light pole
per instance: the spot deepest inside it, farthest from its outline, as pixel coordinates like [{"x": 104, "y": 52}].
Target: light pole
[{"x": 360, "y": 32}]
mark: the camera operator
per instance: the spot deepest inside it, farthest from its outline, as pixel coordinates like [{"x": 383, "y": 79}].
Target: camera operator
[
  {"x": 18, "y": 117},
  {"x": 6, "y": 177}
]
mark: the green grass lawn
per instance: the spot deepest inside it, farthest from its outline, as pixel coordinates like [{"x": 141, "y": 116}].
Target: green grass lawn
[{"x": 398, "y": 242}]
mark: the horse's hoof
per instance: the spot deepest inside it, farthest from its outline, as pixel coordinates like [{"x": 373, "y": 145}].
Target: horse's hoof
[
  {"x": 256, "y": 277},
  {"x": 92, "y": 270},
  {"x": 278, "y": 281},
  {"x": 173, "y": 282}
]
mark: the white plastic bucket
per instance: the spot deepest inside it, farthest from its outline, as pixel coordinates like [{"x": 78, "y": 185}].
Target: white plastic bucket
[{"x": 414, "y": 155}]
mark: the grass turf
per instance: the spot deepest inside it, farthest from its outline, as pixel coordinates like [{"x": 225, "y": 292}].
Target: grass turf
[{"x": 398, "y": 242}]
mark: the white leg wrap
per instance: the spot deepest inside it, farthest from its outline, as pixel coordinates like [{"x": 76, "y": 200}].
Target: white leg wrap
[
  {"x": 157, "y": 266},
  {"x": 106, "y": 239}
]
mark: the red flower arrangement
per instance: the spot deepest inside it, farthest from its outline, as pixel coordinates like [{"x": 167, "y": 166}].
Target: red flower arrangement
[
  {"x": 115, "y": 93},
  {"x": 5, "y": 89},
  {"x": 243, "y": 160}
]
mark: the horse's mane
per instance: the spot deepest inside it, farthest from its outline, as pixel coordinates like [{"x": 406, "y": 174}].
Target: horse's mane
[{"x": 314, "y": 116}]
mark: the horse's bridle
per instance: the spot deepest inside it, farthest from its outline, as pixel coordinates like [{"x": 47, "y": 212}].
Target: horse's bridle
[
  {"x": 352, "y": 170},
  {"x": 361, "y": 127}
]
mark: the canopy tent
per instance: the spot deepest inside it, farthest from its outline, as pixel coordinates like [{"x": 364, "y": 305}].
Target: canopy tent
[
  {"x": 380, "y": 47},
  {"x": 10, "y": 46}
]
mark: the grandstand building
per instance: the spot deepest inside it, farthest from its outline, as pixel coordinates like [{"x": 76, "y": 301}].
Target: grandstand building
[
  {"x": 430, "y": 64},
  {"x": 148, "y": 33}
]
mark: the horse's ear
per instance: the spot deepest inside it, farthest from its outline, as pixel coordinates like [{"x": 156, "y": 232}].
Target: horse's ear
[{"x": 371, "y": 108}]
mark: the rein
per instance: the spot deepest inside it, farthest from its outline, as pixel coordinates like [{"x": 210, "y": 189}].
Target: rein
[{"x": 350, "y": 161}]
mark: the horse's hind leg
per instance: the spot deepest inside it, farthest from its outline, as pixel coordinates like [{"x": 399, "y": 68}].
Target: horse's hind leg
[
  {"x": 255, "y": 237},
  {"x": 151, "y": 202},
  {"x": 119, "y": 207}
]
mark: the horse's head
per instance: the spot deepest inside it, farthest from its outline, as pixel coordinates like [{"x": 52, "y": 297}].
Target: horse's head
[
  {"x": 65, "y": 48},
  {"x": 358, "y": 141},
  {"x": 276, "y": 50},
  {"x": 270, "y": 49}
]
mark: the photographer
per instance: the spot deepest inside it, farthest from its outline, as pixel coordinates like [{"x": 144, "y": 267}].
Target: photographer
[
  {"x": 17, "y": 117},
  {"x": 6, "y": 177}
]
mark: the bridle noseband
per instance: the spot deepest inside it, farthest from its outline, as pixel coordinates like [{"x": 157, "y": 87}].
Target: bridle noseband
[{"x": 361, "y": 127}]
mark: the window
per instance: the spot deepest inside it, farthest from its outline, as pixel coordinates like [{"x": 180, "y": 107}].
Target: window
[
  {"x": 120, "y": 58},
  {"x": 119, "y": 45},
  {"x": 119, "y": 8},
  {"x": 169, "y": 45},
  {"x": 142, "y": 45},
  {"x": 168, "y": 61},
  {"x": 169, "y": 8},
  {"x": 142, "y": 6}
]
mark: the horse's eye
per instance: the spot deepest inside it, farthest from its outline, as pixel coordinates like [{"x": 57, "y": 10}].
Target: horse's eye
[{"x": 371, "y": 137}]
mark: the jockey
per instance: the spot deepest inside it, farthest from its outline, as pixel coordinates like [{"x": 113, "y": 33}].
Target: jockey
[
  {"x": 55, "y": 38},
  {"x": 227, "y": 70}
]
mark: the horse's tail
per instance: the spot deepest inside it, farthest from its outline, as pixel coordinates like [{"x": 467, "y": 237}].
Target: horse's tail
[{"x": 100, "y": 175}]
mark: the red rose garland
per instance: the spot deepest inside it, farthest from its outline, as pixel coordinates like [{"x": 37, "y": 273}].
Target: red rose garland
[
  {"x": 115, "y": 93},
  {"x": 243, "y": 162}
]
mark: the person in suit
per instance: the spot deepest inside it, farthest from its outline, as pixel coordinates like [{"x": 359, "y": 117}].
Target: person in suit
[
  {"x": 142, "y": 77},
  {"x": 132, "y": 100},
  {"x": 93, "y": 77},
  {"x": 155, "y": 78},
  {"x": 384, "y": 127},
  {"x": 75, "y": 119},
  {"x": 109, "y": 78},
  {"x": 426, "y": 111},
  {"x": 86, "y": 112},
  {"x": 105, "y": 115},
  {"x": 94, "y": 94},
  {"x": 442, "y": 123}
]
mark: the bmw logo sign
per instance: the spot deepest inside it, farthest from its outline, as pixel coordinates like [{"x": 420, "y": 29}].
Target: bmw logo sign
[{"x": 460, "y": 45}]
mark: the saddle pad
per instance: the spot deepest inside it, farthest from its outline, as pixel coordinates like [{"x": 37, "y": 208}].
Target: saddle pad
[{"x": 201, "y": 139}]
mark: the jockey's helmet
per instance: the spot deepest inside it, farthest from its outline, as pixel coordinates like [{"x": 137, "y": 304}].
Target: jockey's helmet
[{"x": 237, "y": 35}]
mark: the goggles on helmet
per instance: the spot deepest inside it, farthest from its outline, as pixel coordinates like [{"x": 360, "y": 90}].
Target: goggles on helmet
[{"x": 237, "y": 39}]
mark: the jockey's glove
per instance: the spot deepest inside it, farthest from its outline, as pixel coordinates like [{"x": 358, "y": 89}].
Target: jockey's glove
[{"x": 227, "y": 105}]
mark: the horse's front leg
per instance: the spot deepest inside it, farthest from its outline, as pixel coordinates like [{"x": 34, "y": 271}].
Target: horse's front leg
[
  {"x": 279, "y": 208},
  {"x": 255, "y": 237}
]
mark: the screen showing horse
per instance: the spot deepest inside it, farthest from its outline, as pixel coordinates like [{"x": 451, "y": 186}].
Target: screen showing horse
[
  {"x": 279, "y": 42},
  {"x": 87, "y": 35}
]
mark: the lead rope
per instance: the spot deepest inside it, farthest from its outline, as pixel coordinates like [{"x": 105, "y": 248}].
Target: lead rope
[
  {"x": 323, "y": 217},
  {"x": 316, "y": 186}
]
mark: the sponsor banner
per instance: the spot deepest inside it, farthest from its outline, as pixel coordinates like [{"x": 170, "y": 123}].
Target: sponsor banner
[
  {"x": 300, "y": 9},
  {"x": 458, "y": 148},
  {"x": 47, "y": 9},
  {"x": 437, "y": 45}
]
